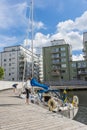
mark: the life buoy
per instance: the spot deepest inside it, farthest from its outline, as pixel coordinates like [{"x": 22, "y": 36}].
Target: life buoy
[
  {"x": 52, "y": 104},
  {"x": 75, "y": 101}
]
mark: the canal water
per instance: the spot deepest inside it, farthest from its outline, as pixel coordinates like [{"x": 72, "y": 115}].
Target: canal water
[{"x": 82, "y": 112}]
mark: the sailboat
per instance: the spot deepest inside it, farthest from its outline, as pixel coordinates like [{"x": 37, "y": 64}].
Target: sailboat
[{"x": 51, "y": 98}]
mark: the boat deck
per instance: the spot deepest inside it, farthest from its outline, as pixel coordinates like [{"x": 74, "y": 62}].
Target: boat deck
[{"x": 16, "y": 115}]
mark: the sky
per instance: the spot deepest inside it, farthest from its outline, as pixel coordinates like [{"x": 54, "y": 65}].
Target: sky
[{"x": 52, "y": 20}]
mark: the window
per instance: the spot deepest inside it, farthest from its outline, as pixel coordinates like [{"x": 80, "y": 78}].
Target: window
[
  {"x": 13, "y": 58},
  {"x": 13, "y": 79},
  {"x": 73, "y": 64},
  {"x": 9, "y": 59},
  {"x": 55, "y": 61},
  {"x": 63, "y": 60},
  {"x": 63, "y": 54},
  {"x": 63, "y": 65},
  {"x": 9, "y": 54},
  {"x": 13, "y": 63},
  {"x": 62, "y": 49},
  {"x": 9, "y": 64},
  {"x": 4, "y": 59},
  {"x": 63, "y": 71},
  {"x": 55, "y": 49},
  {"x": 13, "y": 49},
  {"x": 61, "y": 77},
  {"x": 83, "y": 64},
  {"x": 55, "y": 56},
  {"x": 4, "y": 64},
  {"x": 9, "y": 74},
  {"x": 9, "y": 69},
  {"x": 13, "y": 68},
  {"x": 55, "y": 67}
]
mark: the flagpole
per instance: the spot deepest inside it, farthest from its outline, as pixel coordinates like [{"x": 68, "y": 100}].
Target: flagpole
[{"x": 32, "y": 40}]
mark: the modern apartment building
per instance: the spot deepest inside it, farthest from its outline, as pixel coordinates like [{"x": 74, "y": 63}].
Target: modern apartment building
[
  {"x": 17, "y": 63},
  {"x": 78, "y": 70},
  {"x": 58, "y": 64},
  {"x": 56, "y": 60}
]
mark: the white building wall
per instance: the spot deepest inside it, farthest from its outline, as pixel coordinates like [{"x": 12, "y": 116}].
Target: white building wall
[
  {"x": 13, "y": 58},
  {"x": 41, "y": 68},
  {"x": 9, "y": 63}
]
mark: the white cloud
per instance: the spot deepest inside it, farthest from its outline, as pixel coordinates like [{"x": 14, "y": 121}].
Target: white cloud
[
  {"x": 41, "y": 39},
  {"x": 81, "y": 22},
  {"x": 77, "y": 57},
  {"x": 11, "y": 15},
  {"x": 72, "y": 31}
]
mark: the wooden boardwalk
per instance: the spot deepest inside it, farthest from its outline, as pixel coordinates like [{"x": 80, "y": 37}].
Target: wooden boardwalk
[{"x": 16, "y": 115}]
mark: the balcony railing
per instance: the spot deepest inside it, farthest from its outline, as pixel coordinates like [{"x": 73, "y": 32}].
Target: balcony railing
[
  {"x": 82, "y": 72},
  {"x": 55, "y": 51},
  {"x": 57, "y": 73},
  {"x": 56, "y": 68}
]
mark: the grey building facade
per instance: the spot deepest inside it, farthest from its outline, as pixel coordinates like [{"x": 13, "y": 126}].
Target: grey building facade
[{"x": 56, "y": 60}]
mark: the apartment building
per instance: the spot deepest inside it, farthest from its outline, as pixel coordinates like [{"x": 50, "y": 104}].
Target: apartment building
[
  {"x": 17, "y": 63},
  {"x": 58, "y": 64},
  {"x": 78, "y": 70},
  {"x": 56, "y": 60}
]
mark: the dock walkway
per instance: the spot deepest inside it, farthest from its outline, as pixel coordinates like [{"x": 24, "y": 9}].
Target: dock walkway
[{"x": 16, "y": 115}]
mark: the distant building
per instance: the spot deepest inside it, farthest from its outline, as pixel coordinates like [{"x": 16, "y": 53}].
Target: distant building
[
  {"x": 56, "y": 60},
  {"x": 17, "y": 62},
  {"x": 78, "y": 70},
  {"x": 85, "y": 45}
]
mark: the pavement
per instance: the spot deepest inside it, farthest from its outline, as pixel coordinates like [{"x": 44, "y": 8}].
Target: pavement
[{"x": 15, "y": 114}]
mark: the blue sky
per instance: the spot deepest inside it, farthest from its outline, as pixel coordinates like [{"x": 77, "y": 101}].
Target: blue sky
[{"x": 53, "y": 19}]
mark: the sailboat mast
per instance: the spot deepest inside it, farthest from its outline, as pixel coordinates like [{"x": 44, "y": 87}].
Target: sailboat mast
[{"x": 32, "y": 39}]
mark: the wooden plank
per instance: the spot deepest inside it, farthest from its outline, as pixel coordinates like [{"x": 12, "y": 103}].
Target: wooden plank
[{"x": 16, "y": 115}]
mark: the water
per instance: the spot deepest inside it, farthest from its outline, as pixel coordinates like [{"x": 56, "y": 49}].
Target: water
[{"x": 82, "y": 112}]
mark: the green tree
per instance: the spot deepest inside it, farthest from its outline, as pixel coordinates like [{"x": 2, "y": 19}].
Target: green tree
[{"x": 1, "y": 73}]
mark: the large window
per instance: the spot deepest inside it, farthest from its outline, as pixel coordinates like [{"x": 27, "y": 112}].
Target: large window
[
  {"x": 73, "y": 65},
  {"x": 55, "y": 61},
  {"x": 55, "y": 49},
  {"x": 81, "y": 65},
  {"x": 63, "y": 65},
  {"x": 9, "y": 64},
  {"x": 4, "y": 59},
  {"x": 62, "y": 48},
  {"x": 55, "y": 55},
  {"x": 63, "y": 60},
  {"x": 63, "y": 54}
]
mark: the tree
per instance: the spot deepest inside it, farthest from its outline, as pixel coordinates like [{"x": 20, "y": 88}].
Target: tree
[{"x": 1, "y": 73}]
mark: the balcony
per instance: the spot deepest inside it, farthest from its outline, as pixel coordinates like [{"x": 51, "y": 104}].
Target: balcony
[
  {"x": 55, "y": 51},
  {"x": 82, "y": 72},
  {"x": 55, "y": 73},
  {"x": 55, "y": 57},
  {"x": 56, "y": 68},
  {"x": 81, "y": 67}
]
